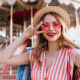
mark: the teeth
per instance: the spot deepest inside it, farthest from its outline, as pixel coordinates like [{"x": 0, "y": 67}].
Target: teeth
[{"x": 50, "y": 34}]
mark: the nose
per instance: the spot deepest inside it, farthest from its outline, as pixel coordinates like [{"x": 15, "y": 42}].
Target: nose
[{"x": 51, "y": 27}]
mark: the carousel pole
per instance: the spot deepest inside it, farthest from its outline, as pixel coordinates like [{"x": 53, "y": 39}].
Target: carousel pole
[
  {"x": 32, "y": 24},
  {"x": 77, "y": 26},
  {"x": 11, "y": 25},
  {"x": 11, "y": 3},
  {"x": 24, "y": 25},
  {"x": 77, "y": 18},
  {"x": 11, "y": 31},
  {"x": 47, "y": 4}
]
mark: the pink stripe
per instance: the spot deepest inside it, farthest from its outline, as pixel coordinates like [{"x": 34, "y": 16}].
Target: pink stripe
[
  {"x": 41, "y": 66},
  {"x": 61, "y": 66},
  {"x": 42, "y": 69},
  {"x": 69, "y": 68},
  {"x": 40, "y": 75},
  {"x": 63, "y": 72},
  {"x": 63, "y": 77},
  {"x": 71, "y": 62},
  {"x": 53, "y": 66},
  {"x": 58, "y": 67},
  {"x": 56, "y": 64},
  {"x": 34, "y": 78},
  {"x": 48, "y": 74},
  {"x": 37, "y": 73},
  {"x": 44, "y": 65},
  {"x": 66, "y": 78}
]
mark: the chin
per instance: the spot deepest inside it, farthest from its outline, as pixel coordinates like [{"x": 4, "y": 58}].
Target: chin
[{"x": 52, "y": 39}]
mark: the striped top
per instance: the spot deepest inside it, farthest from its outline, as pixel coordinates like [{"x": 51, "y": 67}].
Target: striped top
[{"x": 62, "y": 69}]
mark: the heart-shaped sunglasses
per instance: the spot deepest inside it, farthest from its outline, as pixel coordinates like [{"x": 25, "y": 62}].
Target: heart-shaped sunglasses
[{"x": 45, "y": 26}]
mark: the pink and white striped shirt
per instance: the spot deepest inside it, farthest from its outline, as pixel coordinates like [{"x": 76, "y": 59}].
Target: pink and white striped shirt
[{"x": 62, "y": 69}]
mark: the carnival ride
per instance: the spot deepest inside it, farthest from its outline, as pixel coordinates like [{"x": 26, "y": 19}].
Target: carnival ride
[{"x": 16, "y": 15}]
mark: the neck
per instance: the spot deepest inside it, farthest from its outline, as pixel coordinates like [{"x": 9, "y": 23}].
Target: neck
[{"x": 53, "y": 46}]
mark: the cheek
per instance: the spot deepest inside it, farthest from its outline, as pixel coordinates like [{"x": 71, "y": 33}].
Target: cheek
[{"x": 58, "y": 30}]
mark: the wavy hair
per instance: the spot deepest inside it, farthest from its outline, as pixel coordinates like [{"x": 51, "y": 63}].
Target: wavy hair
[{"x": 42, "y": 43}]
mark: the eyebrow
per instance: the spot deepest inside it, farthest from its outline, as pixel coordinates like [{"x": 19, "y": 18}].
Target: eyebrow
[{"x": 52, "y": 21}]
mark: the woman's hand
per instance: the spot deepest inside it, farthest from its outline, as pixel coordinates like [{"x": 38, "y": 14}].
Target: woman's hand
[
  {"x": 7, "y": 56},
  {"x": 31, "y": 31}
]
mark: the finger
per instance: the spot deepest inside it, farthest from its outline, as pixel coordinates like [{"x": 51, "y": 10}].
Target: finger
[
  {"x": 29, "y": 29},
  {"x": 39, "y": 32},
  {"x": 30, "y": 26},
  {"x": 39, "y": 25}
]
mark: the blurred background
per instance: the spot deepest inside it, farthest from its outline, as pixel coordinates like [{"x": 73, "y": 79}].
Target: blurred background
[{"x": 16, "y": 15}]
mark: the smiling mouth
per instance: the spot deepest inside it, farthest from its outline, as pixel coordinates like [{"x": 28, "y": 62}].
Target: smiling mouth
[{"x": 51, "y": 34}]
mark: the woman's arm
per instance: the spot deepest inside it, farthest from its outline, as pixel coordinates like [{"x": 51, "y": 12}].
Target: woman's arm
[
  {"x": 7, "y": 56},
  {"x": 18, "y": 59},
  {"x": 8, "y": 53},
  {"x": 77, "y": 60},
  {"x": 76, "y": 53}
]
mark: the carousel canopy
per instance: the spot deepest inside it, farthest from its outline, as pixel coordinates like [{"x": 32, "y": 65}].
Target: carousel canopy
[
  {"x": 24, "y": 6},
  {"x": 21, "y": 6}
]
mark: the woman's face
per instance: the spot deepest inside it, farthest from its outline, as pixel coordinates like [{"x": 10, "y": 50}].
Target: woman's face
[{"x": 53, "y": 33}]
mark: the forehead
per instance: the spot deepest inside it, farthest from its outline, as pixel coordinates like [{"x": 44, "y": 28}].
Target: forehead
[{"x": 49, "y": 18}]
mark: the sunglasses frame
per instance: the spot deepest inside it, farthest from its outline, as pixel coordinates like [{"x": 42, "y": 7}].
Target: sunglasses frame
[{"x": 45, "y": 26}]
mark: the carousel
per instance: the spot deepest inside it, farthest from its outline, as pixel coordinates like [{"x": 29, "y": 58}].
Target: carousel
[{"x": 16, "y": 15}]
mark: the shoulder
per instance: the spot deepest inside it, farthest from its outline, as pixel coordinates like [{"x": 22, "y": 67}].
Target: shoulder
[{"x": 73, "y": 51}]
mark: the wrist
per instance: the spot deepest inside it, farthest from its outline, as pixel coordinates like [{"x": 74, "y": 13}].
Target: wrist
[{"x": 23, "y": 38}]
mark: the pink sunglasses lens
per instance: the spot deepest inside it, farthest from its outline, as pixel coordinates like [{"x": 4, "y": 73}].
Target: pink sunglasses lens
[
  {"x": 56, "y": 25},
  {"x": 45, "y": 26}
]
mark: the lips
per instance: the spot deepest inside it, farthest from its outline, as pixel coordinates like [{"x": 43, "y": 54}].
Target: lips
[{"x": 51, "y": 34}]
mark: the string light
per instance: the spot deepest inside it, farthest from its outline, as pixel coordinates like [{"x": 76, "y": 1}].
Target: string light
[
  {"x": 11, "y": 2},
  {"x": 1, "y": 2},
  {"x": 75, "y": 4},
  {"x": 26, "y": 1},
  {"x": 47, "y": 2}
]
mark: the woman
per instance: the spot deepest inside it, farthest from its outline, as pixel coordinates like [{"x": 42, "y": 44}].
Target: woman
[{"x": 54, "y": 56}]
